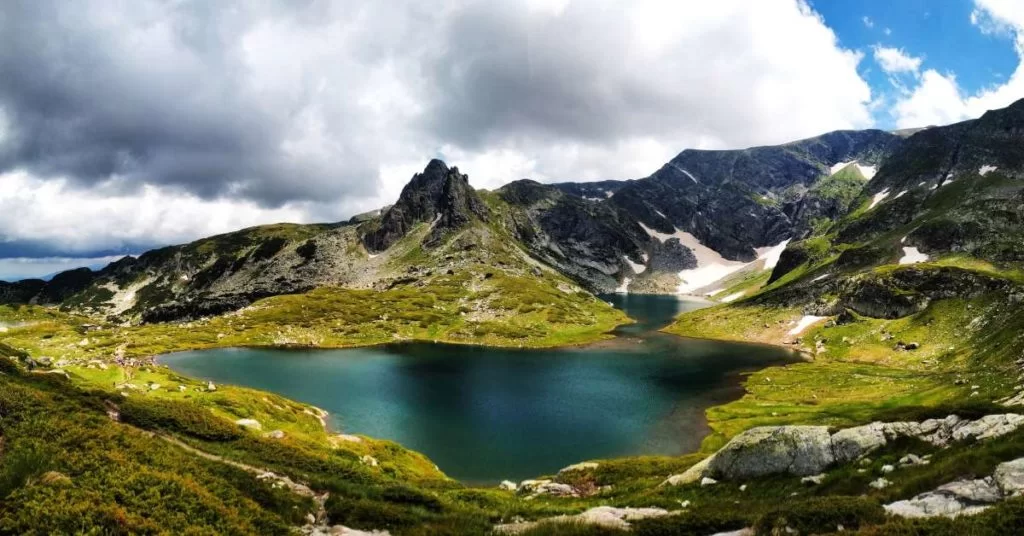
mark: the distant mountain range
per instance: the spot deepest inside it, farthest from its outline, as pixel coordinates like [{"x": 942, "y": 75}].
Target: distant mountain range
[{"x": 702, "y": 216}]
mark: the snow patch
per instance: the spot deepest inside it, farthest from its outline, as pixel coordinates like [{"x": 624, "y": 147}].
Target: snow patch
[
  {"x": 912, "y": 256},
  {"x": 899, "y": 195},
  {"x": 733, "y": 297},
  {"x": 878, "y": 198},
  {"x": 687, "y": 173},
  {"x": 985, "y": 170},
  {"x": 608, "y": 194},
  {"x": 820, "y": 277},
  {"x": 771, "y": 254},
  {"x": 372, "y": 255},
  {"x": 637, "y": 268},
  {"x": 658, "y": 212},
  {"x": 804, "y": 323},
  {"x": 716, "y": 291},
  {"x": 867, "y": 171},
  {"x": 837, "y": 167},
  {"x": 624, "y": 287}
]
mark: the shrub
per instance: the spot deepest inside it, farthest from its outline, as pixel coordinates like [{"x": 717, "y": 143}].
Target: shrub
[
  {"x": 821, "y": 514},
  {"x": 178, "y": 417}
]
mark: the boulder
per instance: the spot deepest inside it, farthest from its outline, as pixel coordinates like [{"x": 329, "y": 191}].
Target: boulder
[
  {"x": 796, "y": 450},
  {"x": 366, "y": 459},
  {"x": 1009, "y": 477},
  {"x": 853, "y": 443},
  {"x": 962, "y": 497},
  {"x": 988, "y": 427},
  {"x": 275, "y": 434},
  {"x": 508, "y": 485}
]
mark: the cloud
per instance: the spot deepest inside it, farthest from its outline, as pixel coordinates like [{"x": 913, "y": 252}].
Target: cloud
[
  {"x": 939, "y": 99},
  {"x": 118, "y": 112},
  {"x": 46, "y": 217},
  {"x": 867, "y": 21},
  {"x": 895, "y": 60}
]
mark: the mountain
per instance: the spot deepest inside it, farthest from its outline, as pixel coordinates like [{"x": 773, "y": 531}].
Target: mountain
[
  {"x": 911, "y": 298},
  {"x": 644, "y": 235}
]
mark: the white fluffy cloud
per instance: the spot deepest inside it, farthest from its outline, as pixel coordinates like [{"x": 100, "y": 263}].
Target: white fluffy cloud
[
  {"x": 77, "y": 221},
  {"x": 183, "y": 121},
  {"x": 895, "y": 60},
  {"x": 938, "y": 99}
]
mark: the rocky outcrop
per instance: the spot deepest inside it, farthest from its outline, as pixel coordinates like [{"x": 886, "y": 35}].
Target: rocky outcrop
[
  {"x": 809, "y": 450},
  {"x": 964, "y": 497},
  {"x": 439, "y": 195},
  {"x": 594, "y": 243}
]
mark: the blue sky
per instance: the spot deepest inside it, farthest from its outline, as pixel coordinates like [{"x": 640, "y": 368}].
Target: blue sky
[{"x": 940, "y": 33}]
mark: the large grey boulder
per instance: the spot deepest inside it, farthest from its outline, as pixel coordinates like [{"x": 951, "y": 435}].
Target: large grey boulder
[{"x": 766, "y": 450}]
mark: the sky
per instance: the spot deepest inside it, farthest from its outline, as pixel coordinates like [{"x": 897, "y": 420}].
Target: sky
[{"x": 130, "y": 125}]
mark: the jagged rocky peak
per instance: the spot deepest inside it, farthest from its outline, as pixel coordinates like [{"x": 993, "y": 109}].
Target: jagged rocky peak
[{"x": 439, "y": 195}]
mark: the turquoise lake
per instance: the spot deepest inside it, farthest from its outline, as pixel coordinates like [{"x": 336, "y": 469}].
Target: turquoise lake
[{"x": 488, "y": 414}]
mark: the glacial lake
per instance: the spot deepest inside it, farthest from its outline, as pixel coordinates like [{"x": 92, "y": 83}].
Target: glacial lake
[{"x": 488, "y": 414}]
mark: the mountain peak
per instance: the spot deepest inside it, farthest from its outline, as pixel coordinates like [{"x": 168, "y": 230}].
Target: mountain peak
[{"x": 439, "y": 195}]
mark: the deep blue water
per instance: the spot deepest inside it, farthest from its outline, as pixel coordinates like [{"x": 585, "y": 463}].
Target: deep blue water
[{"x": 487, "y": 414}]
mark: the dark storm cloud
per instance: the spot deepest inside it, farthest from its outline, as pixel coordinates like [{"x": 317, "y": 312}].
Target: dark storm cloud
[{"x": 151, "y": 93}]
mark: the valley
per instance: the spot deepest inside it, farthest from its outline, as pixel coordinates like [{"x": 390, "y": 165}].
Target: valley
[{"x": 891, "y": 261}]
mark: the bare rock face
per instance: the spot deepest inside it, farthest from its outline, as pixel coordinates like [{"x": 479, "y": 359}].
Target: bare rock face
[{"x": 439, "y": 196}]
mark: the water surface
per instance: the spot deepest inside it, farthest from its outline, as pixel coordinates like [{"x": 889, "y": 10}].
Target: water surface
[{"x": 487, "y": 414}]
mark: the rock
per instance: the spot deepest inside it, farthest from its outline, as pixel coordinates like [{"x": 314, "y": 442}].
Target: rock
[
  {"x": 880, "y": 483},
  {"x": 962, "y": 497},
  {"x": 557, "y": 489},
  {"x": 508, "y": 485},
  {"x": 310, "y": 519},
  {"x": 912, "y": 345},
  {"x": 211, "y": 387},
  {"x": 886, "y": 469},
  {"x": 249, "y": 423},
  {"x": 603, "y": 516},
  {"x": 366, "y": 459},
  {"x": 578, "y": 467},
  {"x": 988, "y": 427},
  {"x": 275, "y": 434},
  {"x": 707, "y": 481},
  {"x": 154, "y": 386},
  {"x": 912, "y": 459},
  {"x": 182, "y": 388},
  {"x": 853, "y": 443},
  {"x": 972, "y": 491},
  {"x": 813, "y": 480},
  {"x": 1009, "y": 477},
  {"x": 743, "y": 487},
  {"x": 796, "y": 450},
  {"x": 691, "y": 475},
  {"x": 349, "y": 438}
]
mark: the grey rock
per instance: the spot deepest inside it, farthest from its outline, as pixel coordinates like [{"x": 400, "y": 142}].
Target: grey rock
[
  {"x": 796, "y": 450},
  {"x": 853, "y": 443},
  {"x": 1009, "y": 477}
]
